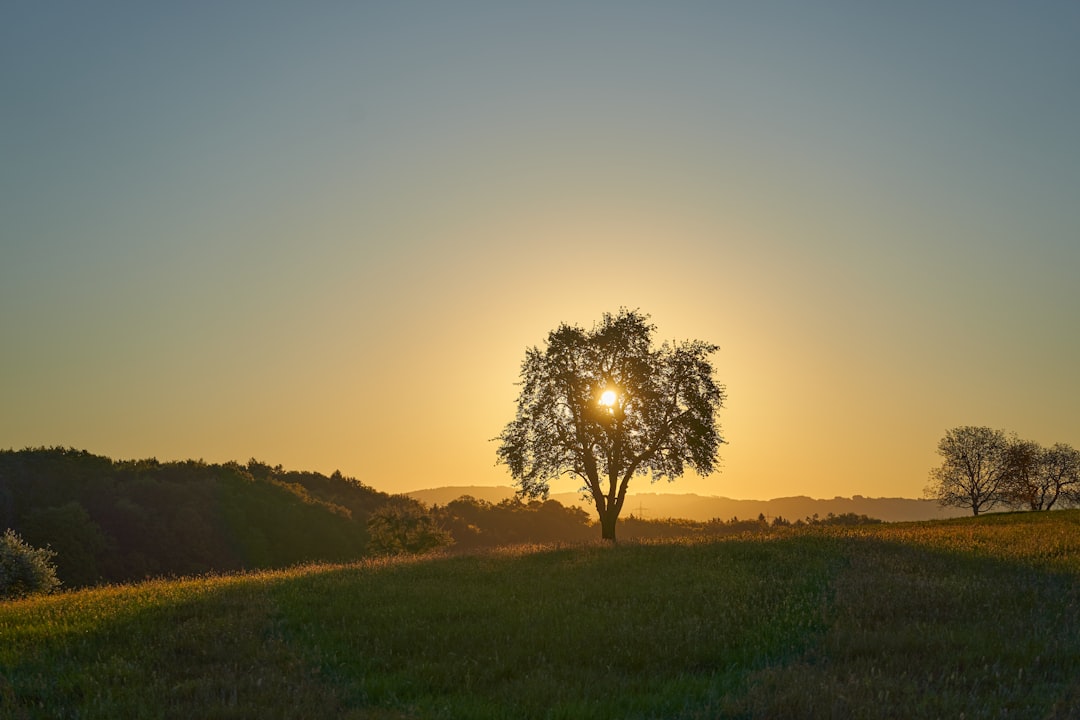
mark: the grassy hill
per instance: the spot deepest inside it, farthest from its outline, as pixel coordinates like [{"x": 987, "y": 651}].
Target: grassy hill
[{"x": 970, "y": 618}]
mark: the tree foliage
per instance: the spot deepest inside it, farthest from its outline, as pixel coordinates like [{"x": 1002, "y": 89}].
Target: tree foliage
[
  {"x": 1042, "y": 477},
  {"x": 121, "y": 521},
  {"x": 984, "y": 468},
  {"x": 24, "y": 570},
  {"x": 77, "y": 541},
  {"x": 974, "y": 470},
  {"x": 475, "y": 523},
  {"x": 605, "y": 405},
  {"x": 405, "y": 527}
]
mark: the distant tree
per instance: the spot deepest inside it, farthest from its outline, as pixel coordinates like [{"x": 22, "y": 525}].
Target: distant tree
[
  {"x": 476, "y": 523},
  {"x": 974, "y": 471},
  {"x": 848, "y": 518},
  {"x": 556, "y": 521},
  {"x": 605, "y": 405},
  {"x": 1070, "y": 495},
  {"x": 1041, "y": 477},
  {"x": 404, "y": 527},
  {"x": 24, "y": 570},
  {"x": 465, "y": 519},
  {"x": 1061, "y": 473},
  {"x": 1022, "y": 482}
]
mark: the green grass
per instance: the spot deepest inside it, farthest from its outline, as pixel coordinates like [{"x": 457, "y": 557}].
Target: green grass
[
  {"x": 963, "y": 618},
  {"x": 973, "y": 618}
]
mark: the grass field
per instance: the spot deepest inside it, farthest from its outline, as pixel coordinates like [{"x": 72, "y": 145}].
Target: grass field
[{"x": 973, "y": 618}]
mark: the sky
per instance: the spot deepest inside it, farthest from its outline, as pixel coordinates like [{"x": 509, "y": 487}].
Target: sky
[{"x": 323, "y": 234}]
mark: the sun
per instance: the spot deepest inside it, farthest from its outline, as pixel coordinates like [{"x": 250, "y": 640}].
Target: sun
[{"x": 607, "y": 398}]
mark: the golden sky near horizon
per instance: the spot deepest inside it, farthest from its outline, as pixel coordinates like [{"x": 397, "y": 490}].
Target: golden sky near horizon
[{"x": 324, "y": 236}]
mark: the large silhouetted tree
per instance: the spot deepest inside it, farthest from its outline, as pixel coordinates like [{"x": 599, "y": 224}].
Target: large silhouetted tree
[
  {"x": 975, "y": 469},
  {"x": 606, "y": 405}
]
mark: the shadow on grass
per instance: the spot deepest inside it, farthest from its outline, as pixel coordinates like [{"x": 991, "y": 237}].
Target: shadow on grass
[
  {"x": 814, "y": 625},
  {"x": 638, "y": 630},
  {"x": 923, "y": 632}
]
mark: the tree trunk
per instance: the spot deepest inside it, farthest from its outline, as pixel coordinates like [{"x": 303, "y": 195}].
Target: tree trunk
[{"x": 607, "y": 524}]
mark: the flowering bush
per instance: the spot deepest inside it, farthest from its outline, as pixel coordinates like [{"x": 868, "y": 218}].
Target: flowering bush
[{"x": 24, "y": 570}]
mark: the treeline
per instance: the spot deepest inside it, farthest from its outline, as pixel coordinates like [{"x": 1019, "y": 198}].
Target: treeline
[
  {"x": 105, "y": 521},
  {"x": 641, "y": 528},
  {"x": 116, "y": 521},
  {"x": 474, "y": 523},
  {"x": 984, "y": 468}
]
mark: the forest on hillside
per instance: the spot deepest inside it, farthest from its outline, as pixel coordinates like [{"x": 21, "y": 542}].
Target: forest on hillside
[{"x": 113, "y": 521}]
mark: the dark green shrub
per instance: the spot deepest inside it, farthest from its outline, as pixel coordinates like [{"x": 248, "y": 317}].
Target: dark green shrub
[
  {"x": 404, "y": 527},
  {"x": 77, "y": 541}
]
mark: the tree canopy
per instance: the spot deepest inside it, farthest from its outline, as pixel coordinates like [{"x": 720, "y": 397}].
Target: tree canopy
[
  {"x": 121, "y": 521},
  {"x": 974, "y": 470},
  {"x": 983, "y": 468},
  {"x": 605, "y": 405},
  {"x": 1042, "y": 477}
]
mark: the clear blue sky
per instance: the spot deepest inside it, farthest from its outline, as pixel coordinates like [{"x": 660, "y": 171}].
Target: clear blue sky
[{"x": 323, "y": 234}]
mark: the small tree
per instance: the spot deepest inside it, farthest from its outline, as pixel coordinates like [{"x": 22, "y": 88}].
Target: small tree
[
  {"x": 24, "y": 570},
  {"x": 974, "y": 471},
  {"x": 1023, "y": 487},
  {"x": 605, "y": 405},
  {"x": 404, "y": 527},
  {"x": 1061, "y": 473},
  {"x": 1053, "y": 479}
]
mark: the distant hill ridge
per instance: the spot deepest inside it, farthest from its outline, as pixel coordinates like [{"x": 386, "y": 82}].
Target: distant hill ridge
[{"x": 659, "y": 506}]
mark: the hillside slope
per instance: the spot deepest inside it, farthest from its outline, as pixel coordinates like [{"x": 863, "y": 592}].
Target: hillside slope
[
  {"x": 126, "y": 520},
  {"x": 871, "y": 622}
]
